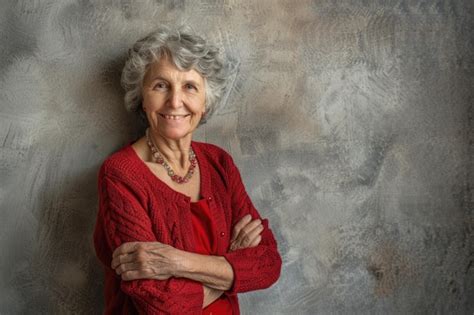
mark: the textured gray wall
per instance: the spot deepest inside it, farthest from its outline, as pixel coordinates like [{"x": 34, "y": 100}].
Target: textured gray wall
[{"x": 351, "y": 121}]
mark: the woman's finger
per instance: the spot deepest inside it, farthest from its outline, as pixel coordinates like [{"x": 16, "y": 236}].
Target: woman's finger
[
  {"x": 134, "y": 251},
  {"x": 136, "y": 274},
  {"x": 126, "y": 258},
  {"x": 248, "y": 239},
  {"x": 250, "y": 225},
  {"x": 142, "y": 274},
  {"x": 256, "y": 241},
  {"x": 244, "y": 233},
  {"x": 127, "y": 248},
  {"x": 251, "y": 236},
  {"x": 246, "y": 230},
  {"x": 239, "y": 225},
  {"x": 133, "y": 266}
]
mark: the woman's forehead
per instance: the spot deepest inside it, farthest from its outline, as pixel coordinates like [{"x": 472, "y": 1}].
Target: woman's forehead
[{"x": 164, "y": 68}]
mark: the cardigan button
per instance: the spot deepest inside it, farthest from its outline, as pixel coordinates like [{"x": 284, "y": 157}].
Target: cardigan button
[
  {"x": 222, "y": 234},
  {"x": 209, "y": 198}
]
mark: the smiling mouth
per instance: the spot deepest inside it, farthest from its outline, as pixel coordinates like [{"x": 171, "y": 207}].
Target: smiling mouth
[{"x": 174, "y": 117}]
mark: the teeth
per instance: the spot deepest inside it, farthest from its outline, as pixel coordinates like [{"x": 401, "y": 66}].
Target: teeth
[{"x": 174, "y": 117}]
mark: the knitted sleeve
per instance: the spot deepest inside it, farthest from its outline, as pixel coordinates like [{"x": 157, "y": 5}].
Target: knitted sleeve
[
  {"x": 123, "y": 220},
  {"x": 257, "y": 267}
]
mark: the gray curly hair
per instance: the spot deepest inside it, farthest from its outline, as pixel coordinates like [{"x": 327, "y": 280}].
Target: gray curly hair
[{"x": 187, "y": 51}]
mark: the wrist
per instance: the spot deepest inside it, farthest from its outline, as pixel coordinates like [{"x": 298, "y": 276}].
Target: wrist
[{"x": 184, "y": 263}]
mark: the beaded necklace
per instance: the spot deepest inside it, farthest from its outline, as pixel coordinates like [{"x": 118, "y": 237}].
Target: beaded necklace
[{"x": 158, "y": 158}]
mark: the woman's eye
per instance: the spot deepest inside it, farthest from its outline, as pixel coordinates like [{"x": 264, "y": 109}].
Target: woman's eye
[
  {"x": 160, "y": 85},
  {"x": 190, "y": 87}
]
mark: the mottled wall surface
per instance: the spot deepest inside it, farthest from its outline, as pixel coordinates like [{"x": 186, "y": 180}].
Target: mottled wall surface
[{"x": 351, "y": 121}]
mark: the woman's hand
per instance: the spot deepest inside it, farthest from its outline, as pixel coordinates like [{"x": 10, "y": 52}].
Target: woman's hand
[
  {"x": 145, "y": 260},
  {"x": 246, "y": 233}
]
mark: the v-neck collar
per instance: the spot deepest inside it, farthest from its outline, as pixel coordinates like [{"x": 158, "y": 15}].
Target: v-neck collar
[{"x": 204, "y": 183}]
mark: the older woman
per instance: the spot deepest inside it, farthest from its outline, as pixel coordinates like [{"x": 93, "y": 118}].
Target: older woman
[{"x": 176, "y": 231}]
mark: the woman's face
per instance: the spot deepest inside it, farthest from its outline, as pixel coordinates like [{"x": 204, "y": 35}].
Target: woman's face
[{"x": 173, "y": 100}]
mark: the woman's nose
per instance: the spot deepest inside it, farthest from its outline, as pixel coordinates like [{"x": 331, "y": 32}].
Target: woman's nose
[{"x": 175, "y": 99}]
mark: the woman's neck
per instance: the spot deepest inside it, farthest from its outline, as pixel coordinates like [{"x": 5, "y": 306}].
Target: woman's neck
[{"x": 175, "y": 152}]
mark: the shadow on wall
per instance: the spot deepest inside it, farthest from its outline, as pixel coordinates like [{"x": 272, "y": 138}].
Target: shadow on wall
[
  {"x": 62, "y": 275},
  {"x": 62, "y": 261}
]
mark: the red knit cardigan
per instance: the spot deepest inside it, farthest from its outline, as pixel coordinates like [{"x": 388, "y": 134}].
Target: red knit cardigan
[{"x": 134, "y": 205}]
